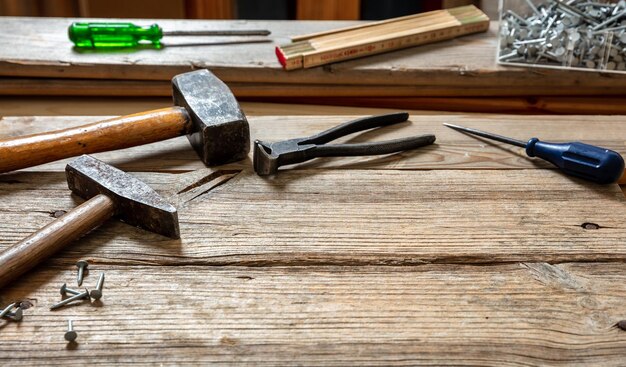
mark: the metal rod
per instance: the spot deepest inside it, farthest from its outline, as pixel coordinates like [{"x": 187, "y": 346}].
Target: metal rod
[
  {"x": 216, "y": 43},
  {"x": 487, "y": 135},
  {"x": 229, "y": 32}
]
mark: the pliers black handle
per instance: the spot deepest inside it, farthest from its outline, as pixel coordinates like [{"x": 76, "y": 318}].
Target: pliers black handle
[{"x": 269, "y": 156}]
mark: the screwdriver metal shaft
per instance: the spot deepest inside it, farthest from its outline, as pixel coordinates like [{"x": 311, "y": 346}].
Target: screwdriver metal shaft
[
  {"x": 582, "y": 160},
  {"x": 500, "y": 138},
  {"x": 225, "y": 32}
]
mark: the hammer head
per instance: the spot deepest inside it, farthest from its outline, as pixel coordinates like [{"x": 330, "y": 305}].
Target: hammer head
[
  {"x": 136, "y": 203},
  {"x": 221, "y": 133}
]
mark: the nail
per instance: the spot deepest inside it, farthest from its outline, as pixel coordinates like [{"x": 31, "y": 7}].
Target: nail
[
  {"x": 609, "y": 21},
  {"x": 97, "y": 293},
  {"x": 70, "y": 334},
  {"x": 17, "y": 315},
  {"x": 565, "y": 33},
  {"x": 7, "y": 309},
  {"x": 71, "y": 299},
  {"x": 508, "y": 56},
  {"x": 64, "y": 290},
  {"x": 82, "y": 265}
]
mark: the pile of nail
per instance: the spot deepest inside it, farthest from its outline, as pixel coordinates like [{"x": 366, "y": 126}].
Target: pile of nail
[
  {"x": 565, "y": 33},
  {"x": 12, "y": 312},
  {"x": 76, "y": 295}
]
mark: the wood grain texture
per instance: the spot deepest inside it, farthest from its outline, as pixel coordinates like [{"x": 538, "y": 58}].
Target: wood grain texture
[
  {"x": 19, "y": 8},
  {"x": 464, "y": 66},
  {"x": 107, "y": 106},
  {"x": 468, "y": 254},
  {"x": 368, "y": 96},
  {"x": 328, "y": 9},
  {"x": 116, "y": 133},
  {"x": 145, "y": 9},
  {"x": 530, "y": 314},
  {"x": 147, "y": 88},
  {"x": 579, "y": 105},
  {"x": 452, "y": 150},
  {"x": 303, "y": 217},
  {"x": 209, "y": 9}
]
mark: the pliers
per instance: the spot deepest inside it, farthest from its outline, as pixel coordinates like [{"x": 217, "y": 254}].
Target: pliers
[{"x": 269, "y": 156}]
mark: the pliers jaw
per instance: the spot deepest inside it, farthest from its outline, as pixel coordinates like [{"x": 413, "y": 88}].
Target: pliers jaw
[
  {"x": 264, "y": 162},
  {"x": 269, "y": 156}
]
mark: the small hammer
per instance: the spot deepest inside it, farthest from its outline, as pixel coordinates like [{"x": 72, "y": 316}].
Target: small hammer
[
  {"x": 206, "y": 111},
  {"x": 109, "y": 192}
]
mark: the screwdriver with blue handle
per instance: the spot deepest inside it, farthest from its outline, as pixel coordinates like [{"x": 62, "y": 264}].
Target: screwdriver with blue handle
[
  {"x": 577, "y": 159},
  {"x": 118, "y": 34}
]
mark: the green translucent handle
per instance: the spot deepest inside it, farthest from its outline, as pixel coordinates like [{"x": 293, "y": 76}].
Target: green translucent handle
[{"x": 107, "y": 35}]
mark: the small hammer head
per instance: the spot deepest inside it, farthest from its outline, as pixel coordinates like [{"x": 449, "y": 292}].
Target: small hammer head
[
  {"x": 221, "y": 133},
  {"x": 136, "y": 203}
]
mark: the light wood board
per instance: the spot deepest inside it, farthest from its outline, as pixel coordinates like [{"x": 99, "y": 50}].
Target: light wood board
[
  {"x": 528, "y": 314},
  {"x": 463, "y": 253},
  {"x": 460, "y": 67}
]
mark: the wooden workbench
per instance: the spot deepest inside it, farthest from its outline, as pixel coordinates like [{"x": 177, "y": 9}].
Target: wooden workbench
[
  {"x": 463, "y": 252},
  {"x": 455, "y": 75},
  {"x": 462, "y": 67}
]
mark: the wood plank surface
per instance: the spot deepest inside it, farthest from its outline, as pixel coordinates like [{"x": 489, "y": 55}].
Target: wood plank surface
[
  {"x": 105, "y": 106},
  {"x": 460, "y": 67},
  {"x": 525, "y": 314},
  {"x": 452, "y": 150},
  {"x": 568, "y": 105},
  {"x": 464, "y": 253},
  {"x": 316, "y": 217},
  {"x": 147, "y": 88},
  {"x": 368, "y": 96}
]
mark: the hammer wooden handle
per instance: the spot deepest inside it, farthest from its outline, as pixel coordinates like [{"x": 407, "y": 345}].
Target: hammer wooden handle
[
  {"x": 21, "y": 257},
  {"x": 117, "y": 133}
]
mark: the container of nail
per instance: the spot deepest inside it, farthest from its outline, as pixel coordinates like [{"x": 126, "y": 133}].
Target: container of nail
[{"x": 572, "y": 34}]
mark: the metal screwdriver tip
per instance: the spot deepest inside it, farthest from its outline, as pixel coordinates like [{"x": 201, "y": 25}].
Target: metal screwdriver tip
[{"x": 484, "y": 134}]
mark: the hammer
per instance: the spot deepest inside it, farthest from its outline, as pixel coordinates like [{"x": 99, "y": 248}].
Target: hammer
[
  {"x": 206, "y": 111},
  {"x": 109, "y": 192}
]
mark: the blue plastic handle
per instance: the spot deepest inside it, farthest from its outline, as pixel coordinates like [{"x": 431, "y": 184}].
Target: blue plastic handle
[{"x": 586, "y": 161}]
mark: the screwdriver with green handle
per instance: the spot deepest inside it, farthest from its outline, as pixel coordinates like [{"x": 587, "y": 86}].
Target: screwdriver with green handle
[
  {"x": 578, "y": 159},
  {"x": 118, "y": 34}
]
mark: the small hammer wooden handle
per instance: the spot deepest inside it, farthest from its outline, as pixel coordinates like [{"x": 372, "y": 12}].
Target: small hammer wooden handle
[
  {"x": 117, "y": 133},
  {"x": 23, "y": 256}
]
